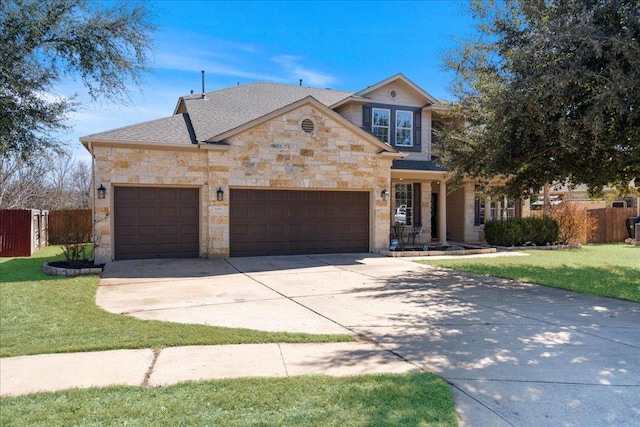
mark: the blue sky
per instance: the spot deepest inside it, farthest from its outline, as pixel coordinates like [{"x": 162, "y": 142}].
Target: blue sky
[{"x": 333, "y": 44}]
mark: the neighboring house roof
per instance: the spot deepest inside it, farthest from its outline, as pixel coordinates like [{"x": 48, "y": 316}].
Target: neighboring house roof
[
  {"x": 223, "y": 110},
  {"x": 418, "y": 165},
  {"x": 168, "y": 130},
  {"x": 402, "y": 78}
]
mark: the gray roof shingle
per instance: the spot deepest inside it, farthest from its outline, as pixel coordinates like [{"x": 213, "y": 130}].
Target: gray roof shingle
[
  {"x": 226, "y": 109},
  {"x": 175, "y": 129},
  {"x": 418, "y": 165}
]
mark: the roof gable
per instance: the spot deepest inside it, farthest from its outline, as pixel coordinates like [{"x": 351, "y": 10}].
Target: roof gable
[
  {"x": 400, "y": 79},
  {"x": 320, "y": 106},
  {"x": 220, "y": 111}
]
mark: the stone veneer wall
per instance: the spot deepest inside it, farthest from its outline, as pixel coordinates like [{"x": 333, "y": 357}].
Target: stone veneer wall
[
  {"x": 279, "y": 154},
  {"x": 274, "y": 154},
  {"x": 144, "y": 167}
]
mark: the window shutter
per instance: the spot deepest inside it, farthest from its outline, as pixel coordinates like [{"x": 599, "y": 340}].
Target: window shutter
[
  {"x": 417, "y": 127},
  {"x": 366, "y": 118},
  {"x": 417, "y": 205}
]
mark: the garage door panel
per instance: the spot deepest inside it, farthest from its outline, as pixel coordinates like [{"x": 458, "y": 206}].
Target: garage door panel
[
  {"x": 274, "y": 222},
  {"x": 151, "y": 222}
]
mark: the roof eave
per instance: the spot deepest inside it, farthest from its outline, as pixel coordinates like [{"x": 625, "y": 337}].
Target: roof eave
[{"x": 87, "y": 141}]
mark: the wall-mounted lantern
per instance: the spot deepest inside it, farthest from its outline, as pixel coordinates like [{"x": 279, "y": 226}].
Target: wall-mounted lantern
[
  {"x": 220, "y": 194},
  {"x": 385, "y": 194},
  {"x": 102, "y": 192}
]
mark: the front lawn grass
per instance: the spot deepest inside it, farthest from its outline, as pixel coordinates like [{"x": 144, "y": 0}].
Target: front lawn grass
[
  {"x": 367, "y": 400},
  {"x": 52, "y": 314},
  {"x": 611, "y": 270}
]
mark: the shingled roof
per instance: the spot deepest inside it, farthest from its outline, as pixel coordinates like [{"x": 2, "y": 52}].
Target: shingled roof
[
  {"x": 175, "y": 129},
  {"x": 200, "y": 118},
  {"x": 223, "y": 110}
]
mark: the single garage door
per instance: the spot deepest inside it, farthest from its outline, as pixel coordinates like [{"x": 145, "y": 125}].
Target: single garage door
[
  {"x": 155, "y": 222},
  {"x": 280, "y": 222}
]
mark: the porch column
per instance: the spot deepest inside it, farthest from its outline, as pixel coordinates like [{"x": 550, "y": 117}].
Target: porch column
[
  {"x": 487, "y": 209},
  {"x": 442, "y": 212}
]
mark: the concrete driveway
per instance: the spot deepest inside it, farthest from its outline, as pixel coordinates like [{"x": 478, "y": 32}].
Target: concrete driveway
[{"x": 515, "y": 354}]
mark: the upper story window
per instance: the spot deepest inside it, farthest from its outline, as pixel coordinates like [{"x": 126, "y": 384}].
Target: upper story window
[
  {"x": 395, "y": 125},
  {"x": 381, "y": 124},
  {"x": 404, "y": 128}
]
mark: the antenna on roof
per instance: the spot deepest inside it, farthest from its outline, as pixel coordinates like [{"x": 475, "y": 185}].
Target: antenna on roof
[
  {"x": 203, "y": 94},
  {"x": 300, "y": 82}
]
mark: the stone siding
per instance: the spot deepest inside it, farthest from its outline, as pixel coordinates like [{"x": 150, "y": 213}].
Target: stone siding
[{"x": 274, "y": 154}]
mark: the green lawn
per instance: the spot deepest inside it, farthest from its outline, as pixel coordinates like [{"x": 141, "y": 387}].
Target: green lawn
[
  {"x": 367, "y": 400},
  {"x": 47, "y": 314},
  {"x": 603, "y": 270},
  {"x": 42, "y": 314}
]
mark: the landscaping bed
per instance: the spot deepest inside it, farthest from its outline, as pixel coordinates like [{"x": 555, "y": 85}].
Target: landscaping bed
[{"x": 438, "y": 249}]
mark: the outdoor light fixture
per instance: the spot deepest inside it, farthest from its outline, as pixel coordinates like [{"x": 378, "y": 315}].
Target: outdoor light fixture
[
  {"x": 385, "y": 194},
  {"x": 102, "y": 192},
  {"x": 220, "y": 194}
]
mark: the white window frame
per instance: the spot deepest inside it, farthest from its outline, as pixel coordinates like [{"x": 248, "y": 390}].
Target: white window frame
[
  {"x": 404, "y": 128},
  {"x": 374, "y": 126}
]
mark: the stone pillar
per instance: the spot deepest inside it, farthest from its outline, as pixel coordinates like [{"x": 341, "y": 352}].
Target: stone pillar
[
  {"x": 425, "y": 217},
  {"x": 442, "y": 212},
  {"x": 487, "y": 209}
]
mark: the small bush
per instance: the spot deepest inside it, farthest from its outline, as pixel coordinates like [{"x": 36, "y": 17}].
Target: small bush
[
  {"x": 521, "y": 231},
  {"x": 72, "y": 238},
  {"x": 576, "y": 225}
]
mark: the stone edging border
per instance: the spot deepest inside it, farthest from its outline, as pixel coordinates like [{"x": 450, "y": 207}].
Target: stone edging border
[
  {"x": 399, "y": 254},
  {"x": 61, "y": 271}
]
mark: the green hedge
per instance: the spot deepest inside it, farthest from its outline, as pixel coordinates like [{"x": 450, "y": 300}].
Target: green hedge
[{"x": 521, "y": 231}]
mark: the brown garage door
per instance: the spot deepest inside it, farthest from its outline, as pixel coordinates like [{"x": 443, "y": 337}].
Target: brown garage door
[
  {"x": 279, "y": 222},
  {"x": 155, "y": 222}
]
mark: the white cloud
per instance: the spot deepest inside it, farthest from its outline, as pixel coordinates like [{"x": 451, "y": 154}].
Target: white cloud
[
  {"x": 291, "y": 65},
  {"x": 191, "y": 61}
]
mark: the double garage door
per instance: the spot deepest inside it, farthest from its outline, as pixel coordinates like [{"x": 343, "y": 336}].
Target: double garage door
[
  {"x": 155, "y": 222},
  {"x": 287, "y": 222}
]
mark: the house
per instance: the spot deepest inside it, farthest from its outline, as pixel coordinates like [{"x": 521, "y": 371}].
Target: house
[{"x": 270, "y": 169}]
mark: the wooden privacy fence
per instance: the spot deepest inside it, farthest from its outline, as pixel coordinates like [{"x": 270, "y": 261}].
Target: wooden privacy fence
[
  {"x": 22, "y": 231},
  {"x": 76, "y": 221},
  {"x": 611, "y": 223}
]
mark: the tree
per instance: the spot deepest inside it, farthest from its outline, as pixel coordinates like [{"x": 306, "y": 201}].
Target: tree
[
  {"x": 46, "y": 180},
  {"x": 549, "y": 91},
  {"x": 42, "y": 42}
]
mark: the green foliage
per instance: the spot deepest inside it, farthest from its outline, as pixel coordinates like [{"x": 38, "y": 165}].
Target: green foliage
[
  {"x": 548, "y": 91},
  {"x": 601, "y": 270},
  {"x": 54, "y": 314},
  {"x": 72, "y": 237},
  {"x": 41, "y": 42},
  {"x": 521, "y": 231},
  {"x": 367, "y": 400}
]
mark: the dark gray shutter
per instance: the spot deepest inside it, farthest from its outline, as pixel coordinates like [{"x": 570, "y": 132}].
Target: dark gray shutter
[
  {"x": 417, "y": 127},
  {"x": 366, "y": 118},
  {"x": 417, "y": 205}
]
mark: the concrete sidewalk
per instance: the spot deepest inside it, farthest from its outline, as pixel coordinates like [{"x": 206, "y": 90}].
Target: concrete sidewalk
[{"x": 144, "y": 367}]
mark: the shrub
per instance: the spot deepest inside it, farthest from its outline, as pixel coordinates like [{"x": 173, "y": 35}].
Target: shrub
[
  {"x": 576, "y": 225},
  {"x": 72, "y": 237},
  {"x": 521, "y": 231}
]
